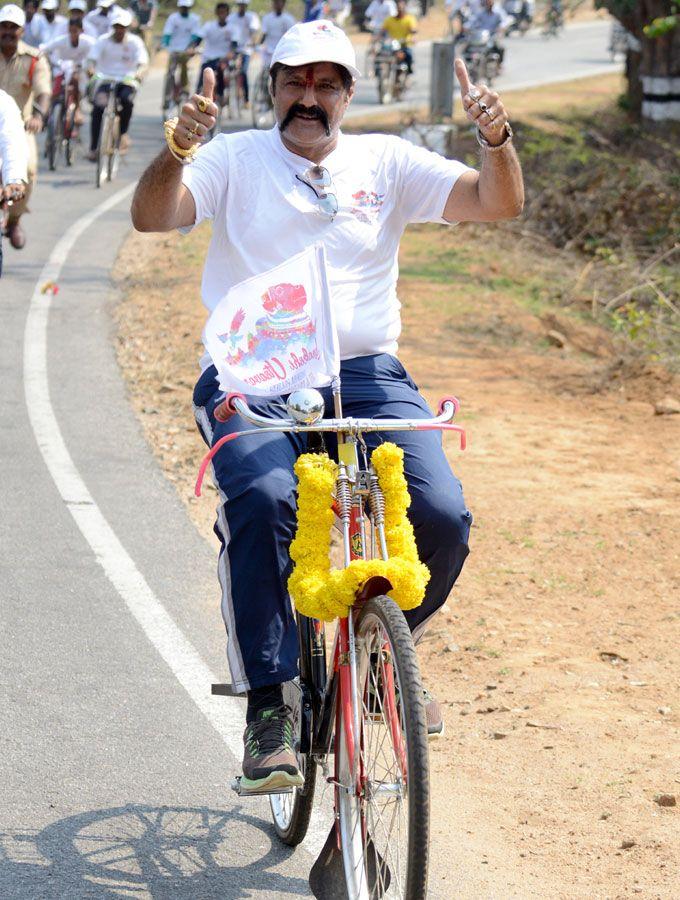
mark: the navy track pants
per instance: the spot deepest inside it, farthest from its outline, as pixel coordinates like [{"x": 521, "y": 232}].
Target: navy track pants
[{"x": 256, "y": 516}]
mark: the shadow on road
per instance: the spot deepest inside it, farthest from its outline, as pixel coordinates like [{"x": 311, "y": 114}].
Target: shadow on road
[{"x": 147, "y": 851}]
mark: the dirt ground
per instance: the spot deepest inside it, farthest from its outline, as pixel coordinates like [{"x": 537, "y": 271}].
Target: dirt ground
[{"x": 556, "y": 655}]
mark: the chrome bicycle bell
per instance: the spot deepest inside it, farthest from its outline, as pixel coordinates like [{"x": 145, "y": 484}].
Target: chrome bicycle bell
[{"x": 306, "y": 406}]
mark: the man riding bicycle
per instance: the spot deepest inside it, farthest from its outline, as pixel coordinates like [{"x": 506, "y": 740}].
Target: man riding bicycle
[
  {"x": 261, "y": 191},
  {"x": 122, "y": 56},
  {"x": 218, "y": 40},
  {"x": 274, "y": 25},
  {"x": 98, "y": 21},
  {"x": 245, "y": 25},
  {"x": 181, "y": 35},
  {"x": 68, "y": 54},
  {"x": 402, "y": 28}
]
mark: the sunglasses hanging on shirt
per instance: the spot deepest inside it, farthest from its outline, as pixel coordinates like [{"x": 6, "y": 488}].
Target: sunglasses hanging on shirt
[{"x": 319, "y": 180}]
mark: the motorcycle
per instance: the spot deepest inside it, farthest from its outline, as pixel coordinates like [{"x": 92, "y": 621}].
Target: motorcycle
[
  {"x": 481, "y": 57},
  {"x": 391, "y": 71}
]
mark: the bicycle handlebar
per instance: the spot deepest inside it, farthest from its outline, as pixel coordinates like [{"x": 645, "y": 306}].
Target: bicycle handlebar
[{"x": 236, "y": 404}]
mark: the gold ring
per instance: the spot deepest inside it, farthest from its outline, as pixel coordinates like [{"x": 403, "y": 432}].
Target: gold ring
[{"x": 202, "y": 104}]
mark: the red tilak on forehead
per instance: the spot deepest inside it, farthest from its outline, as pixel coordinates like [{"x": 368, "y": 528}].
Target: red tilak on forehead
[{"x": 309, "y": 76}]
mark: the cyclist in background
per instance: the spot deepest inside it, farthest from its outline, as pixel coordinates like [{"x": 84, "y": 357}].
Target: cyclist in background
[
  {"x": 145, "y": 12},
  {"x": 122, "y": 56},
  {"x": 98, "y": 21},
  {"x": 338, "y": 10},
  {"x": 55, "y": 23},
  {"x": 244, "y": 25},
  {"x": 13, "y": 157},
  {"x": 76, "y": 11},
  {"x": 181, "y": 35},
  {"x": 68, "y": 54},
  {"x": 274, "y": 25},
  {"x": 218, "y": 39},
  {"x": 402, "y": 28},
  {"x": 376, "y": 13},
  {"x": 34, "y": 29}
]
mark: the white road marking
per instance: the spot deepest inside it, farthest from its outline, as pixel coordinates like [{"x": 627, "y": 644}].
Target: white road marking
[{"x": 224, "y": 714}]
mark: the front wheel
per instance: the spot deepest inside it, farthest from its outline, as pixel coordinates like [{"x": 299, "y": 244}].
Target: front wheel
[
  {"x": 383, "y": 798},
  {"x": 54, "y": 135}
]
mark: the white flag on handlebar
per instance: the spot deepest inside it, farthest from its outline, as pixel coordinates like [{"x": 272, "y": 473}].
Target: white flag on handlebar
[{"x": 275, "y": 332}]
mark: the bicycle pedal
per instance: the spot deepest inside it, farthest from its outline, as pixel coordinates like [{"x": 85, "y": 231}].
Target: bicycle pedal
[{"x": 242, "y": 792}]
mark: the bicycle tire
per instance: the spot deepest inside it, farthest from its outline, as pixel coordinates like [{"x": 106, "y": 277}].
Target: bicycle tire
[
  {"x": 291, "y": 812},
  {"x": 380, "y": 623},
  {"x": 69, "y": 149},
  {"x": 53, "y": 135},
  {"x": 113, "y": 154},
  {"x": 101, "y": 150}
]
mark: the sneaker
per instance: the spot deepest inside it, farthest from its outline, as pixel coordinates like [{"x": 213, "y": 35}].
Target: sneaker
[
  {"x": 433, "y": 717},
  {"x": 269, "y": 760}
]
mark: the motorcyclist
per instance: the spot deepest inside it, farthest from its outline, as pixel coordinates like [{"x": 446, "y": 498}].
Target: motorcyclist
[
  {"x": 495, "y": 20},
  {"x": 402, "y": 28}
]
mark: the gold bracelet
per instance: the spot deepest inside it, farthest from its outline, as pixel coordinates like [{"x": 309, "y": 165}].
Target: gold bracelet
[{"x": 182, "y": 155}]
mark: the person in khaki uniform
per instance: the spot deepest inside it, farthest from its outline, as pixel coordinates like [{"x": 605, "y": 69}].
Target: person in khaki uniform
[{"x": 25, "y": 76}]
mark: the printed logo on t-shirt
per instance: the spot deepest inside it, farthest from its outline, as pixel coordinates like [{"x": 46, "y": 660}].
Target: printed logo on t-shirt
[{"x": 366, "y": 205}]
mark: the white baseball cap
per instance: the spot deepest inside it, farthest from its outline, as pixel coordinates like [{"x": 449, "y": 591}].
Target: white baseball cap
[
  {"x": 312, "y": 42},
  {"x": 104, "y": 4},
  {"x": 13, "y": 13},
  {"x": 50, "y": 4},
  {"x": 79, "y": 5},
  {"x": 185, "y": 2},
  {"x": 121, "y": 17}
]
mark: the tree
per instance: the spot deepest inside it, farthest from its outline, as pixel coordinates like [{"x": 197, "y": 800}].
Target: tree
[{"x": 653, "y": 59}]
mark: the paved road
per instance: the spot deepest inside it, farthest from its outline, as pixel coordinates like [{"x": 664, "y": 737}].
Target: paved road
[{"x": 114, "y": 760}]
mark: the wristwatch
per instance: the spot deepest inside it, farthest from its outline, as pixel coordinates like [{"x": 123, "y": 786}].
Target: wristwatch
[{"x": 482, "y": 141}]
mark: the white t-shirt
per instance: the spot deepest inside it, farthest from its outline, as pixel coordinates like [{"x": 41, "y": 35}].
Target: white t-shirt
[
  {"x": 273, "y": 28},
  {"x": 119, "y": 59},
  {"x": 99, "y": 24},
  {"x": 262, "y": 216},
  {"x": 35, "y": 33},
  {"x": 181, "y": 29},
  {"x": 379, "y": 10},
  {"x": 61, "y": 50},
  {"x": 217, "y": 40},
  {"x": 244, "y": 27},
  {"x": 53, "y": 29},
  {"x": 13, "y": 145}
]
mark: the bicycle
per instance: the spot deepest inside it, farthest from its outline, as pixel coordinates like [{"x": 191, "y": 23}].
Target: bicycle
[
  {"x": 61, "y": 126},
  {"x": 108, "y": 145},
  {"x": 176, "y": 88},
  {"x": 391, "y": 71},
  {"x": 262, "y": 107},
  {"x": 366, "y": 707}
]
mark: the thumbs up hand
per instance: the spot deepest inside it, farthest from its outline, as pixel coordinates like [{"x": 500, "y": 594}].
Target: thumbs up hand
[
  {"x": 198, "y": 114},
  {"x": 482, "y": 106}
]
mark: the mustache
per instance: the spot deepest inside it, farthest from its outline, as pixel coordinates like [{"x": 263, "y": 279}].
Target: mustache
[{"x": 316, "y": 111}]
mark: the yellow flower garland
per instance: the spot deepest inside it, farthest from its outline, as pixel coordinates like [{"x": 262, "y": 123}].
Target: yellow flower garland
[{"x": 324, "y": 593}]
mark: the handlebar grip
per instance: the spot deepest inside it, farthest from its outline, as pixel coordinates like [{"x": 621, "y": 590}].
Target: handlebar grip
[
  {"x": 226, "y": 409},
  {"x": 454, "y": 400}
]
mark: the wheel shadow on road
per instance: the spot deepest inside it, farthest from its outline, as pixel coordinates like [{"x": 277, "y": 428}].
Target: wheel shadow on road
[{"x": 149, "y": 851}]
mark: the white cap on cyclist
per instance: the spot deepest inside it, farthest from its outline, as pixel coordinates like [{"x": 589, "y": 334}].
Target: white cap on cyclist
[
  {"x": 79, "y": 5},
  {"x": 50, "y": 4},
  {"x": 312, "y": 42},
  {"x": 121, "y": 17},
  {"x": 185, "y": 2},
  {"x": 14, "y": 14},
  {"x": 105, "y": 4}
]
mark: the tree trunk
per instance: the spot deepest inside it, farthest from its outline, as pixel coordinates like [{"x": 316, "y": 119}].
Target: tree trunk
[{"x": 657, "y": 78}]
